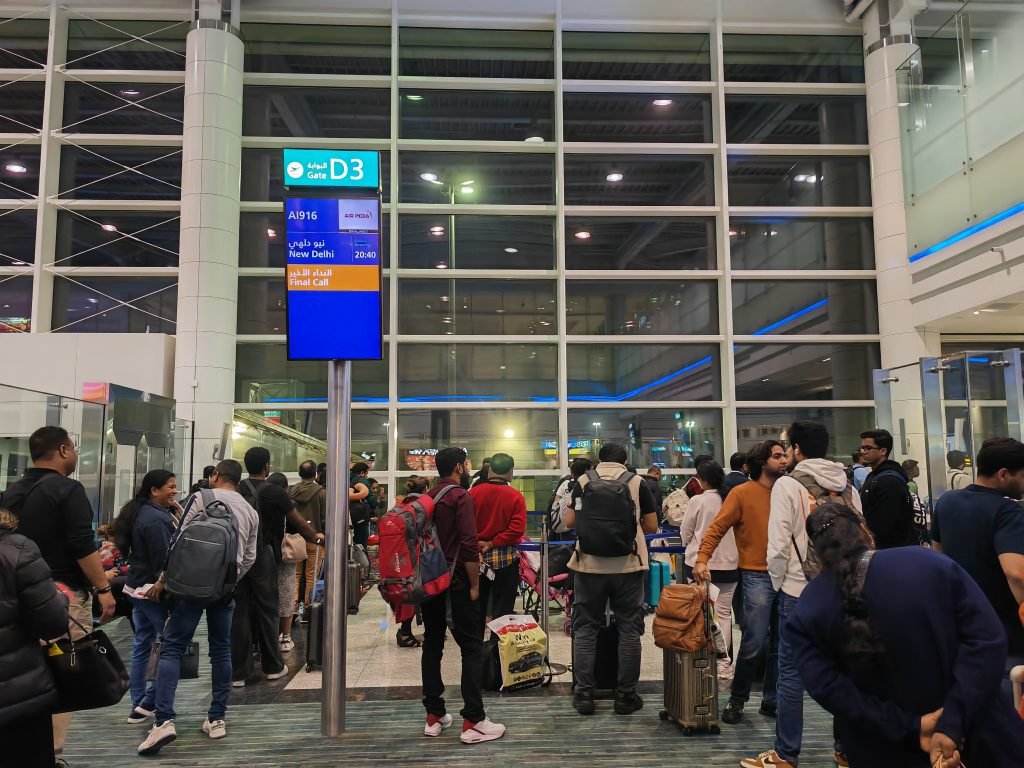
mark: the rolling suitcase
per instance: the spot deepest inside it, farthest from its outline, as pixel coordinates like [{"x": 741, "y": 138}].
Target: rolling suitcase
[
  {"x": 691, "y": 687},
  {"x": 354, "y": 587},
  {"x": 315, "y": 627},
  {"x": 657, "y": 578}
]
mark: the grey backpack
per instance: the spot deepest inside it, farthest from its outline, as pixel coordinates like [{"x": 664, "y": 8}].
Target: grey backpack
[{"x": 202, "y": 561}]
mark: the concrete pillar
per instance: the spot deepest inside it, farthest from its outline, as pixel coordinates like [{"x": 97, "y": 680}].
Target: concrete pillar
[
  {"x": 204, "y": 369},
  {"x": 887, "y": 46}
]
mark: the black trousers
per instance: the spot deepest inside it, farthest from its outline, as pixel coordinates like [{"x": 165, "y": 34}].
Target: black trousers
[
  {"x": 255, "y": 619},
  {"x": 466, "y": 631},
  {"x": 28, "y": 742},
  {"x": 498, "y": 597}
]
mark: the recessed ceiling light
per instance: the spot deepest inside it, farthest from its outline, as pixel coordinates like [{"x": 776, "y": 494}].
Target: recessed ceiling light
[
  {"x": 437, "y": 228},
  {"x": 984, "y": 50},
  {"x": 129, "y": 92},
  {"x": 614, "y": 176},
  {"x": 428, "y": 176},
  {"x": 662, "y": 102},
  {"x": 502, "y": 367},
  {"x": 509, "y": 434},
  {"x": 108, "y": 228},
  {"x": 903, "y": 104},
  {"x": 825, "y": 359},
  {"x": 16, "y": 168},
  {"x": 800, "y": 177},
  {"x": 466, "y": 190},
  {"x": 93, "y": 301},
  {"x": 7, "y": 306},
  {"x": 990, "y": 310},
  {"x": 271, "y": 233},
  {"x": 511, "y": 250},
  {"x": 765, "y": 379},
  {"x": 733, "y": 233},
  {"x": 773, "y": 233},
  {"x": 437, "y": 232},
  {"x": 414, "y": 97},
  {"x": 443, "y": 298},
  {"x": 583, "y": 235},
  {"x": 20, "y": 264},
  {"x": 811, "y": 179},
  {"x": 441, "y": 265},
  {"x": 977, "y": 313},
  {"x": 277, "y": 329},
  {"x": 534, "y": 139}
]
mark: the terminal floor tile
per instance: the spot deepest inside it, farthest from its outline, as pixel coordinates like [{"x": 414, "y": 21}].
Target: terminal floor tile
[{"x": 277, "y": 724}]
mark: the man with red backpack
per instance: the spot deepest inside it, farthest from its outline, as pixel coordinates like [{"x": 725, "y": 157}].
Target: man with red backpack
[{"x": 455, "y": 520}]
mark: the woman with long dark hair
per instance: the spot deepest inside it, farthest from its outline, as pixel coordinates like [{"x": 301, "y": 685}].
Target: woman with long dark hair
[
  {"x": 700, "y": 513},
  {"x": 905, "y": 650},
  {"x": 142, "y": 531}
]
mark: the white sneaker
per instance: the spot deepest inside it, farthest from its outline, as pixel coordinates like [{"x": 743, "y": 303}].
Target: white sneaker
[
  {"x": 215, "y": 729},
  {"x": 158, "y": 736},
  {"x": 483, "y": 731},
  {"x": 278, "y": 675},
  {"x": 238, "y": 683},
  {"x": 139, "y": 715},
  {"x": 287, "y": 644},
  {"x": 441, "y": 725}
]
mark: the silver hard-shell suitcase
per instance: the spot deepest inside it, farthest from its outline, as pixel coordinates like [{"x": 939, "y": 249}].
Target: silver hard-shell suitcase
[{"x": 691, "y": 687}]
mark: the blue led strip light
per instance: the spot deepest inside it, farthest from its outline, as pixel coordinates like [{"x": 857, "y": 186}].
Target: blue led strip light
[
  {"x": 575, "y": 398},
  {"x": 1019, "y": 208}
]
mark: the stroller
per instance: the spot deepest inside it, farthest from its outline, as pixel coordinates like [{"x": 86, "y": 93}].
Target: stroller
[{"x": 530, "y": 587}]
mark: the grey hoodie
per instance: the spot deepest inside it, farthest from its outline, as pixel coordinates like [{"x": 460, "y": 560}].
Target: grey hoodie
[{"x": 790, "y": 507}]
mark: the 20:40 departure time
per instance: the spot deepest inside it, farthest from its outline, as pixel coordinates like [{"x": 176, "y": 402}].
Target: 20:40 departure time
[{"x": 365, "y": 254}]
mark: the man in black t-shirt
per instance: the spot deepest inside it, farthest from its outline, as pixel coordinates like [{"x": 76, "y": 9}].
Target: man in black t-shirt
[
  {"x": 981, "y": 528},
  {"x": 256, "y": 597}
]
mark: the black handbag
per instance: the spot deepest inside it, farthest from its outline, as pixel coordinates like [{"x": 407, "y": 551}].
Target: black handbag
[
  {"x": 88, "y": 673},
  {"x": 189, "y": 667}
]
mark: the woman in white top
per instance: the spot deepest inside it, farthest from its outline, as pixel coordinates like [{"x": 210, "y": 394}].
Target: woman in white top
[{"x": 724, "y": 563}]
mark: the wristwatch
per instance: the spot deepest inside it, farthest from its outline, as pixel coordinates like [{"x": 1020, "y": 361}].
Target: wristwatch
[{"x": 97, "y": 592}]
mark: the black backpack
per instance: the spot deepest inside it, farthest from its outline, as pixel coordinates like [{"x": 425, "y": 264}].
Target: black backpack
[{"x": 607, "y": 520}]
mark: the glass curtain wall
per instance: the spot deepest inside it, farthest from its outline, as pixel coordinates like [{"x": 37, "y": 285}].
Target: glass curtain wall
[{"x": 658, "y": 238}]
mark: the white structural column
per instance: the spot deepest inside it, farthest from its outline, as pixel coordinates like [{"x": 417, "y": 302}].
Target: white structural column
[
  {"x": 901, "y": 342},
  {"x": 204, "y": 373},
  {"x": 886, "y": 48}
]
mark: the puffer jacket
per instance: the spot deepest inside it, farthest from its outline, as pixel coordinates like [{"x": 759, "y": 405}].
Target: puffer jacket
[{"x": 31, "y": 609}]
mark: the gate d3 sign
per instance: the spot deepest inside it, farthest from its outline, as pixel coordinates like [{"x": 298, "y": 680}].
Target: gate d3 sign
[{"x": 331, "y": 168}]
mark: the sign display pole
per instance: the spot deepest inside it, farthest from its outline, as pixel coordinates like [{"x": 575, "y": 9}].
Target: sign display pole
[
  {"x": 334, "y": 283},
  {"x": 339, "y": 414}
]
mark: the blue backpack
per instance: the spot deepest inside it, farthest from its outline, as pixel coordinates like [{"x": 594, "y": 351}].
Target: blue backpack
[{"x": 202, "y": 561}]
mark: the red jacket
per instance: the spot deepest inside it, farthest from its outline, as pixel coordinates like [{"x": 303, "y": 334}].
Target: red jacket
[{"x": 500, "y": 513}]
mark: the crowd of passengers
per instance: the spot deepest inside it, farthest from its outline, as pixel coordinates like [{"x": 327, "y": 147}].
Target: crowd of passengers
[{"x": 907, "y": 636}]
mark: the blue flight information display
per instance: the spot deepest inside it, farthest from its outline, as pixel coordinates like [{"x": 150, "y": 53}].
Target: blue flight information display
[{"x": 333, "y": 278}]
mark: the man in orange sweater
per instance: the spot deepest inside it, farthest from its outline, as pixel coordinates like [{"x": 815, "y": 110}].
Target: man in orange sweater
[
  {"x": 746, "y": 510},
  {"x": 500, "y": 524}
]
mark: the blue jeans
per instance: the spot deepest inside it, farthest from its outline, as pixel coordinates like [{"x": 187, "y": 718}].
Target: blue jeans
[
  {"x": 760, "y": 636},
  {"x": 789, "y": 724},
  {"x": 149, "y": 618},
  {"x": 181, "y": 627}
]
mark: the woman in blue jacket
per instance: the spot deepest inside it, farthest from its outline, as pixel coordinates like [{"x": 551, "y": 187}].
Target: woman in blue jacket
[
  {"x": 905, "y": 650},
  {"x": 143, "y": 531}
]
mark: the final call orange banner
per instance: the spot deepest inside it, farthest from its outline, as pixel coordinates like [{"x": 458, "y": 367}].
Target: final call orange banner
[{"x": 331, "y": 277}]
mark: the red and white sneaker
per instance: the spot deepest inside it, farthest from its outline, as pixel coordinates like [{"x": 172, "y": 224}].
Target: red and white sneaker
[
  {"x": 485, "y": 730},
  {"x": 437, "y": 724}
]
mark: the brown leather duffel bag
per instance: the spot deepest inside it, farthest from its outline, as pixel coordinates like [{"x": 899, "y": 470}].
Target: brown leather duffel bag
[{"x": 679, "y": 623}]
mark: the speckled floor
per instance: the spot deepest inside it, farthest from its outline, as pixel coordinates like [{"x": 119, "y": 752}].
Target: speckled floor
[{"x": 278, "y": 723}]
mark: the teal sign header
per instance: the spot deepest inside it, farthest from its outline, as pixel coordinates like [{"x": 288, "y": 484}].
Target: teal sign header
[{"x": 331, "y": 168}]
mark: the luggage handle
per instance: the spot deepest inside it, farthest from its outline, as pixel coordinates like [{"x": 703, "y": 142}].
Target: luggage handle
[{"x": 710, "y": 684}]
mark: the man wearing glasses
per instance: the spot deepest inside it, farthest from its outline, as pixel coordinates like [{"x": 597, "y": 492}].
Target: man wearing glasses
[
  {"x": 885, "y": 496},
  {"x": 54, "y": 511}
]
